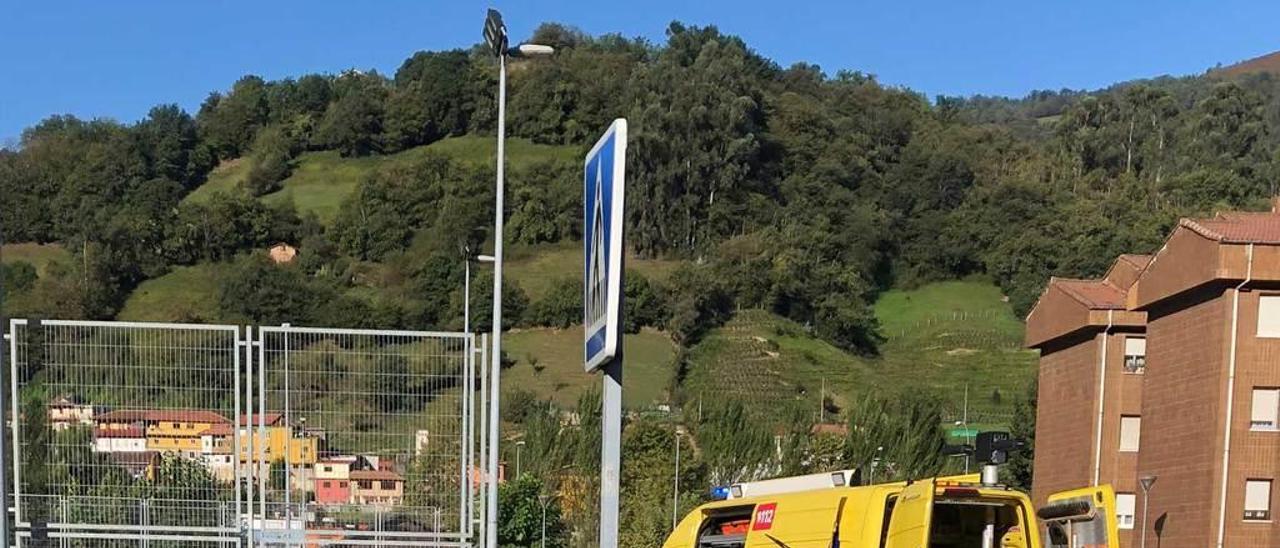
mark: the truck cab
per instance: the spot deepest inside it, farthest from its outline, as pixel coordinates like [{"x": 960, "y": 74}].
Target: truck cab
[{"x": 940, "y": 513}]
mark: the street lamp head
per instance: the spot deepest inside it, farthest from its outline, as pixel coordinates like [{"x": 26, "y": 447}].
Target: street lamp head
[
  {"x": 1147, "y": 482},
  {"x": 520, "y": 444},
  {"x": 485, "y": 258},
  {"x": 530, "y": 50},
  {"x": 495, "y": 33}
]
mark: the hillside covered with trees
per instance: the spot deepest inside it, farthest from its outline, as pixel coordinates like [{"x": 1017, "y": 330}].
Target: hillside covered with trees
[{"x": 798, "y": 192}]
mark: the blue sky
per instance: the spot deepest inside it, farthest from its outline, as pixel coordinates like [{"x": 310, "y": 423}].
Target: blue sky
[{"x": 118, "y": 58}]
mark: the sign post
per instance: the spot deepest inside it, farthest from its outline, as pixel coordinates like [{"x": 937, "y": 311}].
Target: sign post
[{"x": 603, "y": 251}]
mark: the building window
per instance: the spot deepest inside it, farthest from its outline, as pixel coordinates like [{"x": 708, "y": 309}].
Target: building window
[
  {"x": 342, "y": 485},
  {"x": 1130, "y": 431},
  {"x": 1124, "y": 510},
  {"x": 363, "y": 484},
  {"x": 326, "y": 485},
  {"x": 1257, "y": 499},
  {"x": 1269, "y": 316},
  {"x": 388, "y": 485},
  {"x": 1266, "y": 405},
  {"x": 328, "y": 469},
  {"x": 1135, "y": 355}
]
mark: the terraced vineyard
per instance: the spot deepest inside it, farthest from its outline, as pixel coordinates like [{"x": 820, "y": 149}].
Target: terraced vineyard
[{"x": 938, "y": 339}]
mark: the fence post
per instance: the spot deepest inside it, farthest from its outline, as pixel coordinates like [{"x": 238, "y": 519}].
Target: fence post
[
  {"x": 6, "y": 363},
  {"x": 62, "y": 519},
  {"x": 142, "y": 521}
]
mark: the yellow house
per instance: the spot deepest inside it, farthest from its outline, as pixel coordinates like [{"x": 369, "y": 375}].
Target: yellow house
[
  {"x": 275, "y": 438},
  {"x": 170, "y": 431},
  {"x": 167, "y": 430}
]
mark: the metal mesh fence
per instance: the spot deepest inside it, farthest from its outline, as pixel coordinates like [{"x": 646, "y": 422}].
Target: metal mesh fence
[
  {"x": 116, "y": 430},
  {"x": 138, "y": 434},
  {"x": 376, "y": 423}
]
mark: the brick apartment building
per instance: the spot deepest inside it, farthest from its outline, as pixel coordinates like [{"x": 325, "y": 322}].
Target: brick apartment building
[{"x": 1169, "y": 366}]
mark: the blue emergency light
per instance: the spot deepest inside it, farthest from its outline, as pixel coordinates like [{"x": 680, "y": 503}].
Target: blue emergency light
[{"x": 720, "y": 493}]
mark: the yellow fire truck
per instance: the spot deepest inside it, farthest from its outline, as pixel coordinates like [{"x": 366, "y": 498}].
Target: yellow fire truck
[{"x": 947, "y": 512}]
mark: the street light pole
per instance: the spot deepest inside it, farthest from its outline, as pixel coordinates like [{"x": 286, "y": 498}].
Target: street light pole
[
  {"x": 496, "y": 366},
  {"x": 4, "y": 344},
  {"x": 495, "y": 35},
  {"x": 675, "y": 496},
  {"x": 545, "y": 500},
  {"x": 1146, "y": 482}
]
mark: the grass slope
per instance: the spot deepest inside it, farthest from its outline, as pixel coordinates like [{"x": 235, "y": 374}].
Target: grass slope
[
  {"x": 558, "y": 352},
  {"x": 224, "y": 178},
  {"x": 938, "y": 338},
  {"x": 536, "y": 269},
  {"x": 945, "y": 335},
  {"x": 38, "y": 255},
  {"x": 188, "y": 293},
  {"x": 322, "y": 180}
]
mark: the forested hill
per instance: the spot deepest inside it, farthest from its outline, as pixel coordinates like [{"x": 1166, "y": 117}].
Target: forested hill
[{"x": 791, "y": 189}]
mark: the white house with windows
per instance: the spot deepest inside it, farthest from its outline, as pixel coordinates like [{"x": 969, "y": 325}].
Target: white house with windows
[{"x": 131, "y": 439}]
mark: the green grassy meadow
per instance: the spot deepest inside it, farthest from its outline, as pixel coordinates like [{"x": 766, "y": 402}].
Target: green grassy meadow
[
  {"x": 38, "y": 255},
  {"x": 322, "y": 180},
  {"x": 558, "y": 352},
  {"x": 536, "y": 269},
  {"x": 186, "y": 294}
]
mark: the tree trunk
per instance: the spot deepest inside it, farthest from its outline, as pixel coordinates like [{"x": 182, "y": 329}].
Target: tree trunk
[{"x": 1128, "y": 161}]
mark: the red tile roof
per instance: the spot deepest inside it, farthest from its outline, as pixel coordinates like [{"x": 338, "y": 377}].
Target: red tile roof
[
  {"x": 1238, "y": 228},
  {"x": 222, "y": 429},
  {"x": 127, "y": 432},
  {"x": 375, "y": 475},
  {"x": 158, "y": 415},
  {"x": 123, "y": 415},
  {"x": 1095, "y": 294}
]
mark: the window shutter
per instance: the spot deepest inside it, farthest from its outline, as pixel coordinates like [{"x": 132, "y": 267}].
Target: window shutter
[
  {"x": 1269, "y": 316},
  {"x": 1257, "y": 496},
  {"x": 1130, "y": 430},
  {"x": 1135, "y": 346},
  {"x": 1266, "y": 405}
]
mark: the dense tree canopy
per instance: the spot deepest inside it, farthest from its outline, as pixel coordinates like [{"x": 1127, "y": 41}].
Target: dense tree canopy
[{"x": 791, "y": 189}]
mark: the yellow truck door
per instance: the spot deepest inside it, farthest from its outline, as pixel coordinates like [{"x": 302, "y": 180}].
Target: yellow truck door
[
  {"x": 912, "y": 512},
  {"x": 806, "y": 520},
  {"x": 1080, "y": 518}
]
